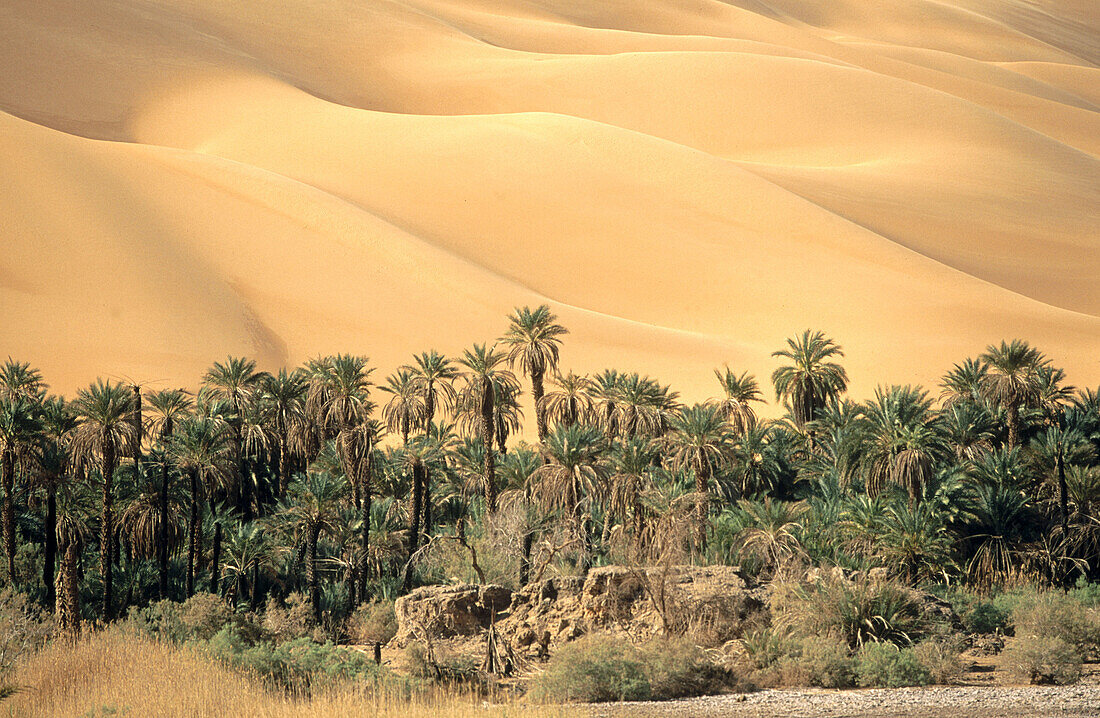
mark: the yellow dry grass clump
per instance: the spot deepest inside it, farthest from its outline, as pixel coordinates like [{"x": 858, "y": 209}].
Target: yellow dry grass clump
[{"x": 112, "y": 674}]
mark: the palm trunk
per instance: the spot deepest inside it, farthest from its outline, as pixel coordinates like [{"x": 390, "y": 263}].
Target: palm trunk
[
  {"x": 537, "y": 392},
  {"x": 1013, "y": 425},
  {"x": 284, "y": 463},
  {"x": 487, "y": 437},
  {"x": 702, "y": 481},
  {"x": 162, "y": 532},
  {"x": 415, "y": 502},
  {"x": 68, "y": 599},
  {"x": 368, "y": 475},
  {"x": 9, "y": 511},
  {"x": 192, "y": 533},
  {"x": 311, "y": 572},
  {"x": 216, "y": 553},
  {"x": 1063, "y": 494},
  {"x": 50, "y": 549},
  {"x": 107, "y": 532},
  {"x": 426, "y": 503}
]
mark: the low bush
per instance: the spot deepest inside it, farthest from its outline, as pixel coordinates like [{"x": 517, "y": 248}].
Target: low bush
[
  {"x": 609, "y": 669},
  {"x": 1058, "y": 615},
  {"x": 942, "y": 658},
  {"x": 1044, "y": 659},
  {"x": 23, "y": 629},
  {"x": 200, "y": 617},
  {"x": 290, "y": 620},
  {"x": 374, "y": 622},
  {"x": 884, "y": 665}
]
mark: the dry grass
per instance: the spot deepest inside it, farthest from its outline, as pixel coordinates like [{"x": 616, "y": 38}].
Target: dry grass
[{"x": 111, "y": 674}]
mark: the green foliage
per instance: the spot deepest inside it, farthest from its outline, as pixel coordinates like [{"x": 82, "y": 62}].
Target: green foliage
[
  {"x": 199, "y": 618},
  {"x": 1044, "y": 659},
  {"x": 596, "y": 669},
  {"x": 883, "y": 665},
  {"x": 1058, "y": 615}
]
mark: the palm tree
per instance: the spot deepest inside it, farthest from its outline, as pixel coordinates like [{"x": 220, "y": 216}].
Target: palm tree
[
  {"x": 574, "y": 479},
  {"x": 54, "y": 464},
  {"x": 633, "y": 463},
  {"x": 169, "y": 407},
  {"x": 432, "y": 375},
  {"x": 755, "y": 465},
  {"x": 247, "y": 553},
  {"x": 968, "y": 427},
  {"x": 20, "y": 380},
  {"x": 905, "y": 440},
  {"x": 407, "y": 408},
  {"x": 236, "y": 381},
  {"x": 19, "y": 427},
  {"x": 516, "y": 470},
  {"x": 533, "y": 341},
  {"x": 807, "y": 385},
  {"x": 73, "y": 508},
  {"x": 643, "y": 406},
  {"x": 285, "y": 393},
  {"x": 343, "y": 407},
  {"x": 1012, "y": 380},
  {"x": 201, "y": 449},
  {"x": 605, "y": 389},
  {"x": 963, "y": 384},
  {"x": 312, "y": 507},
  {"x": 699, "y": 439},
  {"x": 104, "y": 410},
  {"x": 483, "y": 372},
  {"x": 570, "y": 403},
  {"x": 740, "y": 392},
  {"x": 1058, "y": 446},
  {"x": 771, "y": 532}
]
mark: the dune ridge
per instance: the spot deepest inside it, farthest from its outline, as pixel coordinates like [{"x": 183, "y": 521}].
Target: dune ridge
[{"x": 686, "y": 182}]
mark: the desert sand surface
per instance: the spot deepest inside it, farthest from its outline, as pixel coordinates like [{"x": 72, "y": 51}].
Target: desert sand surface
[{"x": 686, "y": 182}]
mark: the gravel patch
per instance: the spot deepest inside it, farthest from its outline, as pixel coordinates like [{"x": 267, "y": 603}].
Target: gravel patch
[{"x": 951, "y": 701}]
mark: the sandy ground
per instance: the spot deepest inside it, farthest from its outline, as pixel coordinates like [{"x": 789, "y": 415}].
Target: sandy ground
[{"x": 687, "y": 182}]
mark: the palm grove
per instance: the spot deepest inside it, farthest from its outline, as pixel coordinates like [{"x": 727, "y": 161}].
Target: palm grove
[{"x": 325, "y": 482}]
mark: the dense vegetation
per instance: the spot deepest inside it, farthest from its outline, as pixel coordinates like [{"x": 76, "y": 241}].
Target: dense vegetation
[{"x": 319, "y": 486}]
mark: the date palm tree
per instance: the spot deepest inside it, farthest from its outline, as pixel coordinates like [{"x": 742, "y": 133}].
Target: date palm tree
[
  {"x": 285, "y": 394},
  {"x": 700, "y": 440},
  {"x": 406, "y": 408},
  {"x": 811, "y": 380},
  {"x": 201, "y": 448},
  {"x": 632, "y": 466},
  {"x": 105, "y": 425},
  {"x": 605, "y": 390},
  {"x": 168, "y": 408},
  {"x": 1012, "y": 381},
  {"x": 19, "y": 427},
  {"x": 905, "y": 440},
  {"x": 312, "y": 508},
  {"x": 344, "y": 407},
  {"x": 74, "y": 507},
  {"x": 236, "y": 381},
  {"x": 54, "y": 460},
  {"x": 533, "y": 341},
  {"x": 484, "y": 370},
  {"x": 433, "y": 375},
  {"x": 963, "y": 384},
  {"x": 740, "y": 391},
  {"x": 19, "y": 380},
  {"x": 570, "y": 402},
  {"x": 643, "y": 406}
]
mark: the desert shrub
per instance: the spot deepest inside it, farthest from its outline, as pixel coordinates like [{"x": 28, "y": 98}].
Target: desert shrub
[
  {"x": 1044, "y": 659},
  {"x": 294, "y": 619},
  {"x": 442, "y": 666},
  {"x": 985, "y": 617},
  {"x": 1085, "y": 593},
  {"x": 593, "y": 670},
  {"x": 826, "y": 661},
  {"x": 884, "y": 665},
  {"x": 941, "y": 658},
  {"x": 374, "y": 622},
  {"x": 298, "y": 665},
  {"x": 204, "y": 615},
  {"x": 859, "y": 611},
  {"x": 1058, "y": 615},
  {"x": 200, "y": 617},
  {"x": 23, "y": 629},
  {"x": 764, "y": 648},
  {"x": 677, "y": 668}
]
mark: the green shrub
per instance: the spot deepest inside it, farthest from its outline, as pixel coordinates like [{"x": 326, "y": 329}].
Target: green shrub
[
  {"x": 941, "y": 658},
  {"x": 594, "y": 670},
  {"x": 1058, "y": 615},
  {"x": 827, "y": 662},
  {"x": 985, "y": 617},
  {"x": 374, "y": 622},
  {"x": 200, "y": 617},
  {"x": 1044, "y": 659},
  {"x": 677, "y": 668},
  {"x": 204, "y": 615},
  {"x": 294, "y": 619},
  {"x": 884, "y": 665}
]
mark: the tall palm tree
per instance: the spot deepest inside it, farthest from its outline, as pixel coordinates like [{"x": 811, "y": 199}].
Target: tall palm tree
[
  {"x": 811, "y": 380},
  {"x": 312, "y": 507},
  {"x": 285, "y": 393},
  {"x": 700, "y": 440},
  {"x": 605, "y": 390},
  {"x": 168, "y": 408},
  {"x": 19, "y": 427},
  {"x": 740, "y": 391},
  {"x": 483, "y": 371},
  {"x": 247, "y": 553},
  {"x": 433, "y": 375},
  {"x": 632, "y": 465},
  {"x": 1012, "y": 380},
  {"x": 963, "y": 384},
  {"x": 516, "y": 470},
  {"x": 533, "y": 341},
  {"x": 54, "y": 465},
  {"x": 344, "y": 407},
  {"x": 406, "y": 408},
  {"x": 905, "y": 440},
  {"x": 570, "y": 402},
  {"x": 104, "y": 410},
  {"x": 201, "y": 448},
  {"x": 574, "y": 479},
  {"x": 1058, "y": 446},
  {"x": 73, "y": 509},
  {"x": 236, "y": 381},
  {"x": 20, "y": 380},
  {"x": 643, "y": 406}
]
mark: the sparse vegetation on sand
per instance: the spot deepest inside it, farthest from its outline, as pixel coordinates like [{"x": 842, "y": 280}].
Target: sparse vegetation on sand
[{"x": 246, "y": 533}]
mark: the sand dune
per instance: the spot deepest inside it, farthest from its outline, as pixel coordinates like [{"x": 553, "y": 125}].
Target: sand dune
[{"x": 687, "y": 182}]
